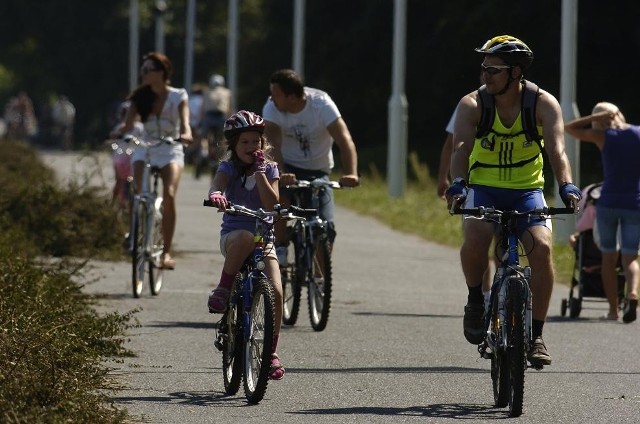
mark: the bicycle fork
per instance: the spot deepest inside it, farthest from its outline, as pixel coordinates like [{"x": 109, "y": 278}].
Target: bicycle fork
[{"x": 224, "y": 332}]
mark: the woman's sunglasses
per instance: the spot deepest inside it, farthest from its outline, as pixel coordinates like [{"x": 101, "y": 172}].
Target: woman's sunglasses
[{"x": 146, "y": 69}]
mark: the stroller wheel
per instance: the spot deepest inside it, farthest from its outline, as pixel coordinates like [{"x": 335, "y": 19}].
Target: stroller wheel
[
  {"x": 575, "y": 307},
  {"x": 563, "y": 307}
]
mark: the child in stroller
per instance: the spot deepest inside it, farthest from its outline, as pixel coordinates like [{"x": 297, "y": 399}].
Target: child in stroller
[{"x": 586, "y": 281}]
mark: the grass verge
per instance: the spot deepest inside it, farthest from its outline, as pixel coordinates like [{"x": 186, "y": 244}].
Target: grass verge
[{"x": 422, "y": 213}]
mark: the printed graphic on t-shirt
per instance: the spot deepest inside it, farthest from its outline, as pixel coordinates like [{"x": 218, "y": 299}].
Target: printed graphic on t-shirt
[{"x": 303, "y": 141}]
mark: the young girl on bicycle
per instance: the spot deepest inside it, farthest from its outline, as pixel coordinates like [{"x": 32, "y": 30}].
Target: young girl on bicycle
[{"x": 247, "y": 178}]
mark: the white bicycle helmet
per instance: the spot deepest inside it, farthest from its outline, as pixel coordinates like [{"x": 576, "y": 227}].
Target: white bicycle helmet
[
  {"x": 216, "y": 80},
  {"x": 243, "y": 121}
]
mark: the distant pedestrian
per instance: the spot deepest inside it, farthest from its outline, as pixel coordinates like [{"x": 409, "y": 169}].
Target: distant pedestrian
[
  {"x": 618, "y": 207},
  {"x": 63, "y": 115}
]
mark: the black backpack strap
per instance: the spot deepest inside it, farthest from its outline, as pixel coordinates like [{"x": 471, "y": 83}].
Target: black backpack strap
[
  {"x": 529, "y": 102},
  {"x": 488, "y": 108},
  {"x": 528, "y": 110}
]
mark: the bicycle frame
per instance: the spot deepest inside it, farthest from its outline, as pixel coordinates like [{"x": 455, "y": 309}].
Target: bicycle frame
[
  {"x": 509, "y": 267},
  {"x": 146, "y": 218},
  {"x": 312, "y": 262},
  {"x": 150, "y": 200},
  {"x": 313, "y": 227},
  {"x": 252, "y": 271}
]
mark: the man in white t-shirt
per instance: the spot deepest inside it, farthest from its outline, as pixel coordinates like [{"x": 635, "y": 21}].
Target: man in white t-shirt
[{"x": 302, "y": 123}]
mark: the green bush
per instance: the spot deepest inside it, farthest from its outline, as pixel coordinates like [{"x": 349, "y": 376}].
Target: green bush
[
  {"x": 70, "y": 221},
  {"x": 53, "y": 344}
]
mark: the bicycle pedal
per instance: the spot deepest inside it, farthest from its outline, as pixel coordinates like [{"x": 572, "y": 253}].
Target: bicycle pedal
[
  {"x": 218, "y": 344},
  {"x": 485, "y": 352},
  {"x": 536, "y": 366}
]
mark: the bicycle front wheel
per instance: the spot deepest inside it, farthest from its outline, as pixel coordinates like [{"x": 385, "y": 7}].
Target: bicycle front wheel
[
  {"x": 516, "y": 308},
  {"x": 156, "y": 273},
  {"x": 138, "y": 223},
  {"x": 258, "y": 343},
  {"x": 499, "y": 362},
  {"x": 291, "y": 278},
  {"x": 320, "y": 285},
  {"x": 231, "y": 330}
]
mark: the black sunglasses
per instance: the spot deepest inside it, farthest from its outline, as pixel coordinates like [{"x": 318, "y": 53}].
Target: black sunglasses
[
  {"x": 493, "y": 69},
  {"x": 146, "y": 69}
]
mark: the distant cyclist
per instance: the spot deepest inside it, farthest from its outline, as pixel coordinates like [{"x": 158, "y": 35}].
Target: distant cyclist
[
  {"x": 503, "y": 169},
  {"x": 164, "y": 112},
  {"x": 216, "y": 107},
  {"x": 302, "y": 125}
]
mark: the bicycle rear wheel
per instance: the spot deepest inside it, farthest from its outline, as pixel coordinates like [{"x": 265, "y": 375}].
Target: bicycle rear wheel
[
  {"x": 138, "y": 261},
  {"x": 320, "y": 287},
  {"x": 292, "y": 277},
  {"x": 258, "y": 347},
  {"x": 499, "y": 363},
  {"x": 231, "y": 331},
  {"x": 156, "y": 274},
  {"x": 516, "y": 308}
]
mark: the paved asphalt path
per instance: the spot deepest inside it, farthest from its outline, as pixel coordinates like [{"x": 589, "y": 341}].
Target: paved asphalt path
[{"x": 393, "y": 350}]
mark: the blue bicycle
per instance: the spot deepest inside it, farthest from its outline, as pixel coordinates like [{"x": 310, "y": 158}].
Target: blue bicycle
[
  {"x": 311, "y": 263},
  {"x": 245, "y": 332},
  {"x": 508, "y": 321}
]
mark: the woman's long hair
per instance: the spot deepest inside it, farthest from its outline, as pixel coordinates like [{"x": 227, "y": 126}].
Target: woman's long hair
[{"x": 143, "y": 97}]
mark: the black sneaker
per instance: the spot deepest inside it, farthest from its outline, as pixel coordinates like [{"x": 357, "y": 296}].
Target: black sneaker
[
  {"x": 630, "y": 311},
  {"x": 538, "y": 354},
  {"x": 473, "y": 323}
]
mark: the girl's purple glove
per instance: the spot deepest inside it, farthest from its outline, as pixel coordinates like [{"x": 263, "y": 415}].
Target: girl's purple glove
[
  {"x": 218, "y": 199},
  {"x": 259, "y": 164}
]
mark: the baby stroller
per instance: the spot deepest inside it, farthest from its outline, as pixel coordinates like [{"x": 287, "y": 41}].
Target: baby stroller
[{"x": 586, "y": 282}]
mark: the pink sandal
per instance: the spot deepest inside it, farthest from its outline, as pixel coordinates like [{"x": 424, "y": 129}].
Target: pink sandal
[
  {"x": 276, "y": 372},
  {"x": 218, "y": 299}
]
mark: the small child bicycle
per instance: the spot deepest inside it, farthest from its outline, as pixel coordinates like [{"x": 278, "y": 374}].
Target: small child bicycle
[{"x": 246, "y": 329}]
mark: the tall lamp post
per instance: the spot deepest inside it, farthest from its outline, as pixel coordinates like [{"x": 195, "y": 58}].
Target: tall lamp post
[
  {"x": 159, "y": 10},
  {"x": 398, "y": 107}
]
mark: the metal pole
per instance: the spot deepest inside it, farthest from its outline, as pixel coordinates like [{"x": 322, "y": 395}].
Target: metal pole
[
  {"x": 188, "y": 51},
  {"x": 134, "y": 12},
  {"x": 398, "y": 107},
  {"x": 298, "y": 36},
  {"x": 232, "y": 51},
  {"x": 159, "y": 10},
  {"x": 563, "y": 228}
]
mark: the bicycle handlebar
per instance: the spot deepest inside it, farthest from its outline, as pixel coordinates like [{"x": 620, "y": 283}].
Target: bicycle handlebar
[
  {"x": 292, "y": 212},
  {"x": 494, "y": 213},
  {"x": 318, "y": 182},
  {"x": 145, "y": 143}
]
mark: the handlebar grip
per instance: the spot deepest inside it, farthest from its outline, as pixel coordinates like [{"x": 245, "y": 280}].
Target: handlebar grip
[
  {"x": 305, "y": 213},
  {"x": 208, "y": 203},
  {"x": 555, "y": 211},
  {"x": 474, "y": 212}
]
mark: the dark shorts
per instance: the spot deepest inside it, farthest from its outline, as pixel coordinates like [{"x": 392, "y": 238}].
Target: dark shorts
[
  {"x": 509, "y": 199},
  {"x": 326, "y": 202}
]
